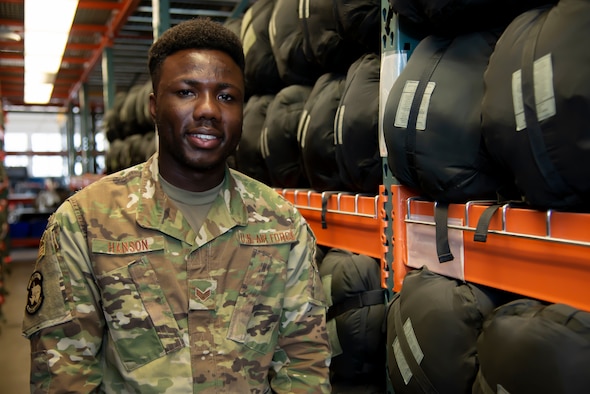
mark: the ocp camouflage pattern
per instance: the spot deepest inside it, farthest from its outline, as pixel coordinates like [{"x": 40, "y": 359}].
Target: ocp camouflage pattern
[{"x": 135, "y": 301}]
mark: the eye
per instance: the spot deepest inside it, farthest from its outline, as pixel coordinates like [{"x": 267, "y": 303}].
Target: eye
[
  {"x": 185, "y": 93},
  {"x": 225, "y": 97}
]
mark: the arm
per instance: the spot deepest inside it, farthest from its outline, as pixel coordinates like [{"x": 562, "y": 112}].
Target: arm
[
  {"x": 302, "y": 359},
  {"x": 63, "y": 318}
]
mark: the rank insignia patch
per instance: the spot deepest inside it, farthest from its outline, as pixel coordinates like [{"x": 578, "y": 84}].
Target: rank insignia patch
[
  {"x": 203, "y": 293},
  {"x": 35, "y": 293}
]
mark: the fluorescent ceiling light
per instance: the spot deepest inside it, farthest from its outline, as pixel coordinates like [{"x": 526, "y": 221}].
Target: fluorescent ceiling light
[
  {"x": 47, "y": 28},
  {"x": 9, "y": 35}
]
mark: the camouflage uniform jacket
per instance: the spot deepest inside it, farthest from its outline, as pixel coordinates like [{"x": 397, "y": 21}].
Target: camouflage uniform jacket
[{"x": 127, "y": 298}]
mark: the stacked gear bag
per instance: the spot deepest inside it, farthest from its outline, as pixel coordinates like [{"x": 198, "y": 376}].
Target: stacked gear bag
[
  {"x": 286, "y": 40},
  {"x": 321, "y": 41},
  {"x": 355, "y": 321},
  {"x": 527, "y": 347},
  {"x": 356, "y": 127},
  {"x": 449, "y": 17},
  {"x": 535, "y": 108},
  {"x": 432, "y": 126},
  {"x": 129, "y": 128},
  {"x": 359, "y": 21},
  {"x": 261, "y": 73},
  {"x": 432, "y": 328},
  {"x": 432, "y": 120},
  {"x": 278, "y": 141},
  {"x": 248, "y": 156},
  {"x": 315, "y": 133}
]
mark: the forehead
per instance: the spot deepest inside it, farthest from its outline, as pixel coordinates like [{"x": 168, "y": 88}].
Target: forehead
[{"x": 201, "y": 60}]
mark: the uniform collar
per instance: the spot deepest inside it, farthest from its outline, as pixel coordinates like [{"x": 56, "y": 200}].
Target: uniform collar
[{"x": 155, "y": 210}]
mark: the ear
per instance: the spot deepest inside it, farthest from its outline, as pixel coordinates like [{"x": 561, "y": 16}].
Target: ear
[{"x": 153, "y": 106}]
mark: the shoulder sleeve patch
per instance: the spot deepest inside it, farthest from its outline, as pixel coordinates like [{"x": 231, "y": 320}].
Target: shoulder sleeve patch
[
  {"x": 48, "y": 296},
  {"x": 34, "y": 293}
]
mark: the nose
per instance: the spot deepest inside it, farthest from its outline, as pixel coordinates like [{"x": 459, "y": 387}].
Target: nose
[{"x": 206, "y": 106}]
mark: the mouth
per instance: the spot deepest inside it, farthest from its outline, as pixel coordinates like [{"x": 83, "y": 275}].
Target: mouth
[
  {"x": 204, "y": 136},
  {"x": 203, "y": 140}
]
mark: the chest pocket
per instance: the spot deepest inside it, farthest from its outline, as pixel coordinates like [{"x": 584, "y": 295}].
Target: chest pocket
[
  {"x": 140, "y": 319},
  {"x": 257, "y": 313}
]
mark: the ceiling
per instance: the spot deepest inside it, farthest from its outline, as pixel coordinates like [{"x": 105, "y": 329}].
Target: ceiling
[{"x": 125, "y": 26}]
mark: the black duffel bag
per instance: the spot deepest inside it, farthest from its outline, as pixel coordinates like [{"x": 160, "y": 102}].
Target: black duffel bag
[
  {"x": 535, "y": 108},
  {"x": 527, "y": 347}
]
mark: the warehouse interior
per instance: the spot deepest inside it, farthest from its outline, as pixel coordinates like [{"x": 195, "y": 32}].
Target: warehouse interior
[
  {"x": 124, "y": 28},
  {"x": 436, "y": 148}
]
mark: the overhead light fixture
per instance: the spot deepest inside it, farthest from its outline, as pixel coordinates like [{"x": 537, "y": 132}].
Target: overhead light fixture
[
  {"x": 7, "y": 35},
  {"x": 47, "y": 28}
]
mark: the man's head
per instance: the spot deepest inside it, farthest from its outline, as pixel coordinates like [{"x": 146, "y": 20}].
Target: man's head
[
  {"x": 199, "y": 33},
  {"x": 197, "y": 102}
]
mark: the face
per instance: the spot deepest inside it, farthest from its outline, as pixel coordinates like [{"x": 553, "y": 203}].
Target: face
[{"x": 198, "y": 109}]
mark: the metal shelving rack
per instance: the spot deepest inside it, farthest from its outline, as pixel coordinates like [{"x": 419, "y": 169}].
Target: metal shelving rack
[{"x": 538, "y": 254}]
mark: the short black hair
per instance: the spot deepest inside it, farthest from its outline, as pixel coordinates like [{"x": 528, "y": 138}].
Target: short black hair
[{"x": 196, "y": 33}]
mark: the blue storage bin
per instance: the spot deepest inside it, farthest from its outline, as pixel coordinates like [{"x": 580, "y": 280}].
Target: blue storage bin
[{"x": 20, "y": 230}]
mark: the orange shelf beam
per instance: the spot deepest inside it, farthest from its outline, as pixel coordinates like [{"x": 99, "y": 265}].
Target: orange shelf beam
[
  {"x": 538, "y": 254},
  {"x": 346, "y": 220}
]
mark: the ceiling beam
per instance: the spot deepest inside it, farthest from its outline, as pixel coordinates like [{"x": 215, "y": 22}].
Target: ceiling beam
[
  {"x": 92, "y": 4},
  {"x": 120, "y": 18}
]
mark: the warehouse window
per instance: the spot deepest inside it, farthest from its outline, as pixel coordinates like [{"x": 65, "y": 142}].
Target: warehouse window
[
  {"x": 39, "y": 142},
  {"x": 48, "y": 166},
  {"x": 46, "y": 142},
  {"x": 30, "y": 133},
  {"x": 16, "y": 142},
  {"x": 16, "y": 161}
]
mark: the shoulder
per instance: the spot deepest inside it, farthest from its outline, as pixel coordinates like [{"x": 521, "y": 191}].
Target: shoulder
[
  {"x": 262, "y": 202},
  {"x": 252, "y": 190},
  {"x": 113, "y": 191},
  {"x": 123, "y": 179}
]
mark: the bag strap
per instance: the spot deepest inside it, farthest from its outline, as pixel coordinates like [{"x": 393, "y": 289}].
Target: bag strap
[
  {"x": 415, "y": 109},
  {"x": 359, "y": 300},
  {"x": 483, "y": 223},
  {"x": 325, "y": 198},
  {"x": 535, "y": 134},
  {"x": 423, "y": 382},
  {"x": 441, "y": 217}
]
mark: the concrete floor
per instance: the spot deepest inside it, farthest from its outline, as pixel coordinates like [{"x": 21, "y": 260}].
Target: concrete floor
[{"x": 14, "y": 359}]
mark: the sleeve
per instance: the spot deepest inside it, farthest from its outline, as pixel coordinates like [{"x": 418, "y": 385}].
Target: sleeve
[
  {"x": 302, "y": 359},
  {"x": 63, "y": 319}
]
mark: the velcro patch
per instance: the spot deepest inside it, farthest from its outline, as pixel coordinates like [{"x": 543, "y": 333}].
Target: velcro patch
[
  {"x": 128, "y": 246},
  {"x": 269, "y": 238},
  {"x": 34, "y": 293}
]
